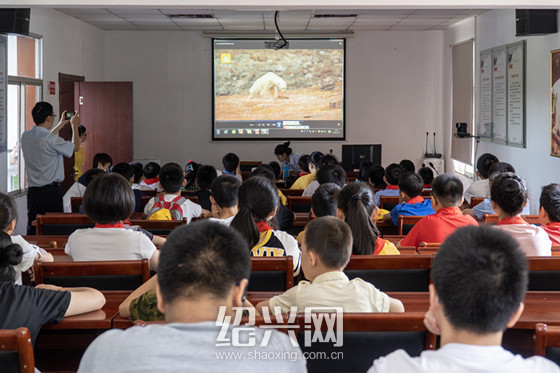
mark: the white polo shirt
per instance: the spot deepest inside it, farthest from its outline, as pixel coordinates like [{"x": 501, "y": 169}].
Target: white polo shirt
[{"x": 333, "y": 289}]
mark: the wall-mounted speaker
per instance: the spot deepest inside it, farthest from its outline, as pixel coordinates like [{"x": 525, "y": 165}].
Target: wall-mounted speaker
[
  {"x": 535, "y": 22},
  {"x": 14, "y": 21}
]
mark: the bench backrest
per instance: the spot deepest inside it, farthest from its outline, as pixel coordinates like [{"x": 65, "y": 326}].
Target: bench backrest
[
  {"x": 16, "y": 351},
  {"x": 271, "y": 273}
]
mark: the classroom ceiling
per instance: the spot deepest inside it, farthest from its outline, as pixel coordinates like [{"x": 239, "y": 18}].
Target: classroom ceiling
[{"x": 289, "y": 21}]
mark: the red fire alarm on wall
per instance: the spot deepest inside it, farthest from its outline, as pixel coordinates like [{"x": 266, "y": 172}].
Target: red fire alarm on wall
[{"x": 52, "y": 87}]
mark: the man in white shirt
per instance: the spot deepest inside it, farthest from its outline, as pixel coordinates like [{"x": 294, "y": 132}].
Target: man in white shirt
[{"x": 479, "y": 281}]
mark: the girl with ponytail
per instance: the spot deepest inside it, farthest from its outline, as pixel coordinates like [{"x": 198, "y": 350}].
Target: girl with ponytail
[
  {"x": 257, "y": 205},
  {"x": 356, "y": 206},
  {"x": 508, "y": 194},
  {"x": 30, "y": 253},
  {"x": 34, "y": 307},
  {"x": 303, "y": 182}
]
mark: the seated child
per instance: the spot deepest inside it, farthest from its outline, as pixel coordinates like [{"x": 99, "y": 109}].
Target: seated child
[
  {"x": 30, "y": 253},
  {"x": 549, "y": 212},
  {"x": 109, "y": 201},
  {"x": 127, "y": 171},
  {"x": 407, "y": 166},
  {"x": 284, "y": 218},
  {"x": 303, "y": 165},
  {"x": 190, "y": 177},
  {"x": 277, "y": 171},
  {"x": 485, "y": 207},
  {"x": 481, "y": 188},
  {"x": 224, "y": 198},
  {"x": 34, "y": 307},
  {"x": 138, "y": 174},
  {"x": 427, "y": 176},
  {"x": 326, "y": 250},
  {"x": 79, "y": 187},
  {"x": 257, "y": 205},
  {"x": 171, "y": 180},
  {"x": 447, "y": 196},
  {"x": 479, "y": 280},
  {"x": 314, "y": 164},
  {"x": 326, "y": 174},
  {"x": 363, "y": 173},
  {"x": 393, "y": 173},
  {"x": 410, "y": 189},
  {"x": 509, "y": 195},
  {"x": 204, "y": 177},
  {"x": 151, "y": 179},
  {"x": 231, "y": 165},
  {"x": 356, "y": 207},
  {"x": 102, "y": 161},
  {"x": 323, "y": 201},
  {"x": 376, "y": 177}
]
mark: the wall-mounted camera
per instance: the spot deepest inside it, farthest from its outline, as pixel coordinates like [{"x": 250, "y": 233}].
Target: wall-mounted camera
[
  {"x": 462, "y": 130},
  {"x": 277, "y": 44}
]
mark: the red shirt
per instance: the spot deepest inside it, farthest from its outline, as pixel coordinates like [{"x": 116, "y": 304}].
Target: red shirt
[
  {"x": 436, "y": 227},
  {"x": 553, "y": 230}
]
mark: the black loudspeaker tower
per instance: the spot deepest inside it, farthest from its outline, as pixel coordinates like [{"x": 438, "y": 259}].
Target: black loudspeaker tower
[
  {"x": 535, "y": 22},
  {"x": 14, "y": 21}
]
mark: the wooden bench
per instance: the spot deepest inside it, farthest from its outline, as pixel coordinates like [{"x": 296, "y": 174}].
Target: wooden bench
[
  {"x": 16, "y": 350},
  {"x": 392, "y": 272},
  {"x": 476, "y": 200},
  {"x": 406, "y": 222},
  {"x": 389, "y": 202},
  {"x": 544, "y": 273},
  {"x": 547, "y": 342},
  {"x": 271, "y": 273},
  {"x": 101, "y": 275},
  {"x": 493, "y": 219},
  {"x": 292, "y": 192}
]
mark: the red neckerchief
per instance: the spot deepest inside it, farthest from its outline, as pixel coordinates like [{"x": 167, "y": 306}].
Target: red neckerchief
[
  {"x": 379, "y": 245},
  {"x": 116, "y": 225},
  {"x": 127, "y": 222},
  {"x": 151, "y": 181},
  {"x": 263, "y": 226},
  {"x": 303, "y": 173},
  {"x": 427, "y": 186},
  {"x": 392, "y": 187},
  {"x": 512, "y": 220},
  {"x": 555, "y": 225},
  {"x": 417, "y": 199}
]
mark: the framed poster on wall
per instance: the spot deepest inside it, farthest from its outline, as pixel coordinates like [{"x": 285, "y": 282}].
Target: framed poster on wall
[
  {"x": 485, "y": 127},
  {"x": 516, "y": 94},
  {"x": 499, "y": 94},
  {"x": 554, "y": 108}
]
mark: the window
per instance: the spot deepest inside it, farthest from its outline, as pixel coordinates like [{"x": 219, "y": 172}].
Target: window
[{"x": 24, "y": 90}]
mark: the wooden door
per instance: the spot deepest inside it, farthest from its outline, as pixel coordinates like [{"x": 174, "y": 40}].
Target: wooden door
[
  {"x": 66, "y": 102},
  {"x": 106, "y": 111}
]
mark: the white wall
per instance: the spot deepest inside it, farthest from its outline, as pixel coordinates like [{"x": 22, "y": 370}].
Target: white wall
[
  {"x": 394, "y": 89},
  {"x": 534, "y": 163},
  {"x": 71, "y": 47}
]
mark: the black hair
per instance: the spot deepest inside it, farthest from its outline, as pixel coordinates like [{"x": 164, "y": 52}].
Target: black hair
[
  {"x": 138, "y": 173},
  {"x": 509, "y": 192},
  {"x": 224, "y": 190},
  {"x": 8, "y": 211},
  {"x": 191, "y": 168},
  {"x": 124, "y": 169},
  {"x": 264, "y": 170},
  {"x": 356, "y": 201},
  {"x": 81, "y": 130},
  {"x": 411, "y": 184},
  {"x": 91, "y": 174},
  {"x": 109, "y": 199},
  {"x": 375, "y": 176},
  {"x": 331, "y": 239},
  {"x": 550, "y": 201},
  {"x": 484, "y": 162},
  {"x": 102, "y": 158},
  {"x": 315, "y": 159},
  {"x": 202, "y": 259},
  {"x": 303, "y": 162},
  {"x": 363, "y": 174},
  {"x": 427, "y": 175},
  {"x": 230, "y": 162},
  {"x": 41, "y": 111},
  {"x": 205, "y": 175},
  {"x": 393, "y": 173},
  {"x": 500, "y": 167},
  {"x": 275, "y": 168},
  {"x": 151, "y": 170},
  {"x": 171, "y": 177},
  {"x": 258, "y": 197},
  {"x": 448, "y": 190},
  {"x": 332, "y": 174},
  {"x": 407, "y": 165},
  {"x": 10, "y": 255},
  {"x": 328, "y": 160},
  {"x": 323, "y": 200},
  {"x": 283, "y": 148},
  {"x": 480, "y": 276}
]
